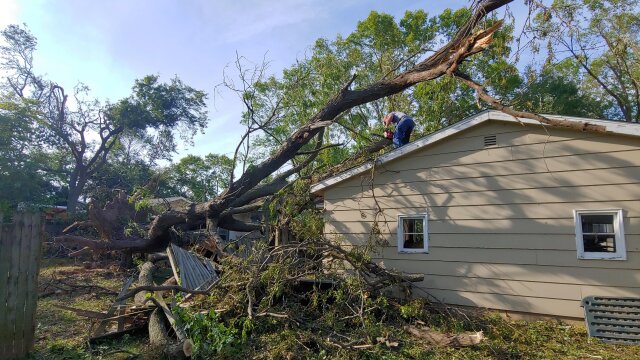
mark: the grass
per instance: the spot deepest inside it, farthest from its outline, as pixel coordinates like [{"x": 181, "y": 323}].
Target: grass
[
  {"x": 537, "y": 340},
  {"x": 61, "y": 334}
]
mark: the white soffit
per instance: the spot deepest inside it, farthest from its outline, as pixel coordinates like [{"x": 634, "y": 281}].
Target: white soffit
[{"x": 613, "y": 127}]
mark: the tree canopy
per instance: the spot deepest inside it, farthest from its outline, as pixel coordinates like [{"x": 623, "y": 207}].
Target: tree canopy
[
  {"x": 84, "y": 133},
  {"x": 320, "y": 111}
]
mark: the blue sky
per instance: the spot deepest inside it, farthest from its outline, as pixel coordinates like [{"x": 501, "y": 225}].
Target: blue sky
[{"x": 108, "y": 44}]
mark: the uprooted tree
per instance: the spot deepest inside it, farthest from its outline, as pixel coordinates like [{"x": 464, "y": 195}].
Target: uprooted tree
[{"x": 297, "y": 151}]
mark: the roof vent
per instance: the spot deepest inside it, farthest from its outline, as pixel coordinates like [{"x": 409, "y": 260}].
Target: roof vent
[{"x": 490, "y": 140}]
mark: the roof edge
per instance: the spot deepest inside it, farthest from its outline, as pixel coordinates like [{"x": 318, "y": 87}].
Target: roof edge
[{"x": 613, "y": 127}]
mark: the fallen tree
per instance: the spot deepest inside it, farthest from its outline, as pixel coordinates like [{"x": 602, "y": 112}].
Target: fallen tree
[{"x": 256, "y": 184}]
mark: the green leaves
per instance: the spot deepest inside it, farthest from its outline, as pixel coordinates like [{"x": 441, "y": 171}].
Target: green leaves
[
  {"x": 167, "y": 108},
  {"x": 210, "y": 336},
  {"x": 87, "y": 135},
  {"x": 602, "y": 37},
  {"x": 199, "y": 178}
]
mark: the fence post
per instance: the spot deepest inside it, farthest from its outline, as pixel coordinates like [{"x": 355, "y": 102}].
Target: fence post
[
  {"x": 20, "y": 243},
  {"x": 5, "y": 263}
]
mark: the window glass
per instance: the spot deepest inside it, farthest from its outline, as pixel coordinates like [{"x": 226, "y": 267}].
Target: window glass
[
  {"x": 598, "y": 233},
  {"x": 413, "y": 241},
  {"x": 413, "y": 233}
]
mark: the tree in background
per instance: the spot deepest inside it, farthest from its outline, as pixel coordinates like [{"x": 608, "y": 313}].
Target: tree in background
[
  {"x": 199, "y": 178},
  {"x": 127, "y": 168},
  {"x": 21, "y": 178},
  {"x": 602, "y": 39},
  {"x": 88, "y": 131},
  {"x": 557, "y": 89}
]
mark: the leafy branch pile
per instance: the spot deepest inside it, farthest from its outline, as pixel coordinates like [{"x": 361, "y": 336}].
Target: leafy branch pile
[{"x": 305, "y": 299}]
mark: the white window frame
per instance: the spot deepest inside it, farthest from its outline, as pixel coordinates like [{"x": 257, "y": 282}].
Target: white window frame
[
  {"x": 425, "y": 229},
  {"x": 618, "y": 228}
]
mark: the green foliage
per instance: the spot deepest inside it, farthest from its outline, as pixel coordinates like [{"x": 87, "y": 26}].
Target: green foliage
[
  {"x": 413, "y": 309},
  {"x": 380, "y": 47},
  {"x": 134, "y": 229},
  {"x": 71, "y": 145},
  {"x": 211, "y": 337},
  {"x": 556, "y": 90},
  {"x": 166, "y": 108},
  {"x": 127, "y": 168},
  {"x": 198, "y": 178},
  {"x": 22, "y": 179},
  {"x": 307, "y": 225},
  {"x": 602, "y": 39}
]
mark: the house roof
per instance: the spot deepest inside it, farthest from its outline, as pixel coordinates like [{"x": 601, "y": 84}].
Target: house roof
[{"x": 612, "y": 127}]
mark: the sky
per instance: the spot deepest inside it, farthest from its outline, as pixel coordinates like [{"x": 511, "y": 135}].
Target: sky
[{"x": 108, "y": 44}]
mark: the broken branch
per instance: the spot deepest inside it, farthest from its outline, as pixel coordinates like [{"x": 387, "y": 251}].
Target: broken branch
[{"x": 497, "y": 104}]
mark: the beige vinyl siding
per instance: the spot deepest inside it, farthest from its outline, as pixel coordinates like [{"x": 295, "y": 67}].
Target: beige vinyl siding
[
  {"x": 492, "y": 226},
  {"x": 547, "y": 210},
  {"x": 539, "y": 305},
  {"x": 501, "y": 228},
  {"x": 586, "y": 277}
]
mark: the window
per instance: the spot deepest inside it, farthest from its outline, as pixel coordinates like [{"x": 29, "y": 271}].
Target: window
[
  {"x": 412, "y": 233},
  {"x": 600, "y": 234}
]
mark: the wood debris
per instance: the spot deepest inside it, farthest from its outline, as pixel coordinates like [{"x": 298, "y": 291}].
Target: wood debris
[{"x": 436, "y": 338}]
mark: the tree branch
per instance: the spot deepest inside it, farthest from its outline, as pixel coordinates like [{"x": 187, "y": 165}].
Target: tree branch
[
  {"x": 495, "y": 103},
  {"x": 179, "y": 288}
]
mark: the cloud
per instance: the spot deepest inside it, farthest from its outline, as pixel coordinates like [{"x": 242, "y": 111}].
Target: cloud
[{"x": 240, "y": 20}]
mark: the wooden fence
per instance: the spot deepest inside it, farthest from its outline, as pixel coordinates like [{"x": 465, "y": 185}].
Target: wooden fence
[{"x": 20, "y": 243}]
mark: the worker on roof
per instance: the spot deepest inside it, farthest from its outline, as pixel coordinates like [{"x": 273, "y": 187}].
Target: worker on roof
[{"x": 404, "y": 125}]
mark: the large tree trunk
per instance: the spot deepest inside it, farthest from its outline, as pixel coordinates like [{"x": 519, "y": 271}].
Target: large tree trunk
[
  {"x": 77, "y": 182},
  {"x": 74, "y": 194}
]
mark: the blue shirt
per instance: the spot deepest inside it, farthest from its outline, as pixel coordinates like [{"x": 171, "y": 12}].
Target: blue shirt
[{"x": 404, "y": 126}]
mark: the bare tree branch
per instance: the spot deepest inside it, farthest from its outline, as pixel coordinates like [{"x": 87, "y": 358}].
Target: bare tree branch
[{"x": 495, "y": 103}]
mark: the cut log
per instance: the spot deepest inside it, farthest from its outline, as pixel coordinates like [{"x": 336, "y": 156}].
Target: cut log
[
  {"x": 144, "y": 279},
  {"x": 436, "y": 338}
]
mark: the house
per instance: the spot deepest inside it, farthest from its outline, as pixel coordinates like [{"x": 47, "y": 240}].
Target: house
[
  {"x": 166, "y": 203},
  {"x": 502, "y": 213}
]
